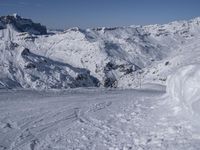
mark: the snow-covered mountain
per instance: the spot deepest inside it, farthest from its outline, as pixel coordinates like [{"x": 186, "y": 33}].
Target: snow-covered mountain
[
  {"x": 22, "y": 25},
  {"x": 110, "y": 57}
]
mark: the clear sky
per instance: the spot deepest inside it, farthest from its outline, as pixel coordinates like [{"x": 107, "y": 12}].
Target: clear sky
[{"x": 95, "y": 13}]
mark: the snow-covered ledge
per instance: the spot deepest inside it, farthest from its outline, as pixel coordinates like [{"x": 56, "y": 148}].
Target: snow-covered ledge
[{"x": 183, "y": 87}]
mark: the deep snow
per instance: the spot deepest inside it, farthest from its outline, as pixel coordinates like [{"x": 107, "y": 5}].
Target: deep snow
[{"x": 93, "y": 119}]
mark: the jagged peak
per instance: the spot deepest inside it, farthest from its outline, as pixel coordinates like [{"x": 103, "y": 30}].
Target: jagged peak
[
  {"x": 75, "y": 29},
  {"x": 22, "y": 24},
  {"x": 16, "y": 15},
  {"x": 196, "y": 19}
]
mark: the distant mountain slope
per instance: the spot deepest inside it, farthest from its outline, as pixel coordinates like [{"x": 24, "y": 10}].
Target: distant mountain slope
[
  {"x": 116, "y": 57},
  {"x": 21, "y": 68}
]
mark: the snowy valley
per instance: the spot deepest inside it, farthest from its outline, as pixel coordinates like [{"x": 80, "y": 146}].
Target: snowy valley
[{"x": 120, "y": 88}]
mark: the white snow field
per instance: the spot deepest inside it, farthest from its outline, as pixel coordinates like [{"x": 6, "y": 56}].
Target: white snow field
[{"x": 93, "y": 119}]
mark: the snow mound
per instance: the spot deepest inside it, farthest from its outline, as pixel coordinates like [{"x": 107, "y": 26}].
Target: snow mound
[{"x": 184, "y": 88}]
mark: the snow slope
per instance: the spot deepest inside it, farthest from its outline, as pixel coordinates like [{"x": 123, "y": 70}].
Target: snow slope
[
  {"x": 20, "y": 68},
  {"x": 117, "y": 57}
]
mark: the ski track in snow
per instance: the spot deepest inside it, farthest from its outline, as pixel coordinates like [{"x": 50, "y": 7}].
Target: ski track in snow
[{"x": 92, "y": 119}]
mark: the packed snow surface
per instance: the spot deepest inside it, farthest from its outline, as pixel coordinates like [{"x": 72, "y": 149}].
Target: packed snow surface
[
  {"x": 184, "y": 88},
  {"x": 93, "y": 119}
]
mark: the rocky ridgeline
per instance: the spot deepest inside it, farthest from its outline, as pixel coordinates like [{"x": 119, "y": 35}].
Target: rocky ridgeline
[{"x": 22, "y": 24}]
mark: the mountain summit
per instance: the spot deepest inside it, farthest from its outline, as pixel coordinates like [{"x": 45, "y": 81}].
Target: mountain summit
[{"x": 22, "y": 24}]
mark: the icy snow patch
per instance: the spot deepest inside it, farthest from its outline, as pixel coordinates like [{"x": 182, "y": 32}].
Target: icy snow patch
[{"x": 184, "y": 88}]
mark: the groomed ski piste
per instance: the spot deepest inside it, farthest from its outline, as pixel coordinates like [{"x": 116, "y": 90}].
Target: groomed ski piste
[{"x": 124, "y": 88}]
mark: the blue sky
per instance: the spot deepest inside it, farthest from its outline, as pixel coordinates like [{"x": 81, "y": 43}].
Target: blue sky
[{"x": 95, "y": 13}]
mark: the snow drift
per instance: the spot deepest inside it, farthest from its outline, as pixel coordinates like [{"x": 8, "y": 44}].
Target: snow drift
[{"x": 184, "y": 88}]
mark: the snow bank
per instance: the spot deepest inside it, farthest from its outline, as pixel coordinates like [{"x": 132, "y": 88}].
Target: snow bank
[{"x": 184, "y": 88}]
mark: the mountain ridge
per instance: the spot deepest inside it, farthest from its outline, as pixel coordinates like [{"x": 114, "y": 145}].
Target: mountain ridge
[
  {"x": 119, "y": 57},
  {"x": 22, "y": 24}
]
